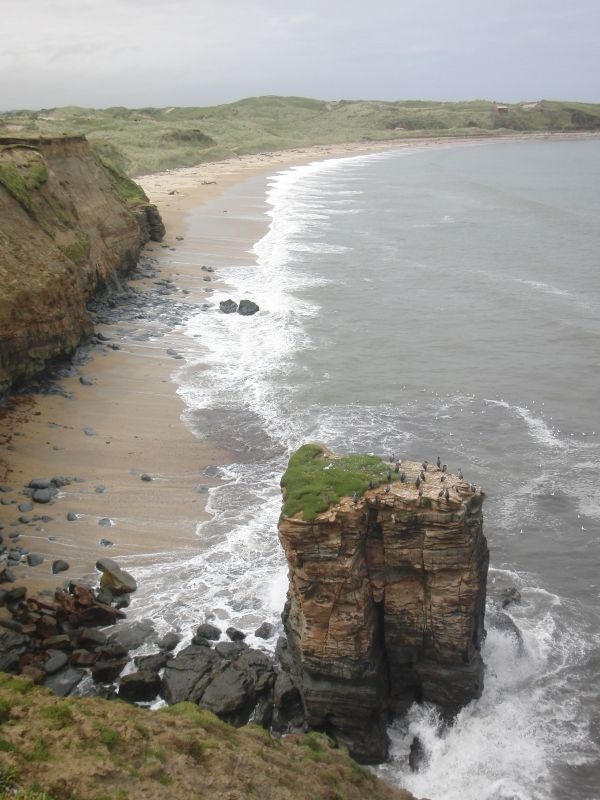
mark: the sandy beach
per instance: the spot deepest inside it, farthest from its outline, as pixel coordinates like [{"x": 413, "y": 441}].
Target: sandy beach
[{"x": 128, "y": 423}]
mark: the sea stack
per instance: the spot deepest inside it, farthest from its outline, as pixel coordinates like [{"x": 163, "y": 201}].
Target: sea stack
[{"x": 386, "y": 593}]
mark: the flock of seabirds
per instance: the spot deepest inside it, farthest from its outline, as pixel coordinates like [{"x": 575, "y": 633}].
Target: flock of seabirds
[{"x": 421, "y": 478}]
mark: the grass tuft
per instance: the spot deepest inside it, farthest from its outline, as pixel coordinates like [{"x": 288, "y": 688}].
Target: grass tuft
[{"x": 314, "y": 481}]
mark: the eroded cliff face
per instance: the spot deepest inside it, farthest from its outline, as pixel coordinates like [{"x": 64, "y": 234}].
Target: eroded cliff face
[
  {"x": 69, "y": 226},
  {"x": 386, "y": 603}
]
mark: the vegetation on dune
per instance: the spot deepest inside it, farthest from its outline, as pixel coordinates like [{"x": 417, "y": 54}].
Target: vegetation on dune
[
  {"x": 314, "y": 480},
  {"x": 144, "y": 140},
  {"x": 93, "y": 749}
]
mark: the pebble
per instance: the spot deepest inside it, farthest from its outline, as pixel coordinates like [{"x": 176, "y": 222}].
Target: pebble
[
  {"x": 59, "y": 566},
  {"x": 106, "y": 543},
  {"x": 85, "y": 380},
  {"x": 5, "y": 489},
  {"x": 34, "y": 559},
  {"x": 71, "y": 516},
  {"x": 41, "y": 496},
  {"x": 40, "y": 483},
  {"x": 106, "y": 522},
  {"x": 100, "y": 488},
  {"x": 145, "y": 477},
  {"x": 24, "y": 507},
  {"x": 89, "y": 431}
]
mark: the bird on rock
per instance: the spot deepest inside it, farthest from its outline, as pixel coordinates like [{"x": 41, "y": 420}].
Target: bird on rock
[
  {"x": 439, "y": 463},
  {"x": 418, "y": 482},
  {"x": 447, "y": 494},
  {"x": 459, "y": 473}
]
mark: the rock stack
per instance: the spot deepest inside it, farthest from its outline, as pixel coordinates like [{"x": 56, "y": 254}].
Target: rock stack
[{"x": 386, "y": 600}]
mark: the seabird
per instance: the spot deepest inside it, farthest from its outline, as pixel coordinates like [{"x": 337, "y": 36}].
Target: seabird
[
  {"x": 459, "y": 473},
  {"x": 423, "y": 478},
  {"x": 443, "y": 478},
  {"x": 447, "y": 494},
  {"x": 420, "y": 492},
  {"x": 389, "y": 476},
  {"x": 418, "y": 482},
  {"x": 441, "y": 493},
  {"x": 444, "y": 467},
  {"x": 473, "y": 487},
  {"x": 425, "y": 464},
  {"x": 439, "y": 462},
  {"x": 397, "y": 467},
  {"x": 402, "y": 477},
  {"x": 388, "y": 488}
]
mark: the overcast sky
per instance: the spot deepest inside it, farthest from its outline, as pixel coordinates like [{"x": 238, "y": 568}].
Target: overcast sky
[{"x": 200, "y": 52}]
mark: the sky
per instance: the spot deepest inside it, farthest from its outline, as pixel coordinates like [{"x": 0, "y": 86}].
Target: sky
[{"x": 140, "y": 53}]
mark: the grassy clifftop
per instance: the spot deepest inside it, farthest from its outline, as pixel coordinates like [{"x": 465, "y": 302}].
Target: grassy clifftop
[
  {"x": 151, "y": 139},
  {"x": 94, "y": 749}
]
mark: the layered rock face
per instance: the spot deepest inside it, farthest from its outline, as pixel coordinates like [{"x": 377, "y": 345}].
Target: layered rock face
[
  {"x": 386, "y": 603},
  {"x": 68, "y": 227}
]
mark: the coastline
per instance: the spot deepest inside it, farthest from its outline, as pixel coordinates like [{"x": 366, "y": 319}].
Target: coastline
[{"x": 133, "y": 407}]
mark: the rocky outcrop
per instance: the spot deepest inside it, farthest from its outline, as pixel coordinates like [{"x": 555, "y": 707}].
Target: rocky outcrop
[
  {"x": 386, "y": 595},
  {"x": 69, "y": 226}
]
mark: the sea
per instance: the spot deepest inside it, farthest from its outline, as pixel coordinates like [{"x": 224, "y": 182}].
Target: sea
[{"x": 439, "y": 301}]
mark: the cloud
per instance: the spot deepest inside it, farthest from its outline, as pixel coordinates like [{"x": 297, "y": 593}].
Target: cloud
[{"x": 159, "y": 52}]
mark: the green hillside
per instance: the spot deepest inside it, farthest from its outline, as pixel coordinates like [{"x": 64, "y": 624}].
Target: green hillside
[{"x": 150, "y": 139}]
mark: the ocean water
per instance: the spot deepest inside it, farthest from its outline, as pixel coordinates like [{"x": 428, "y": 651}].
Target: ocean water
[{"x": 432, "y": 302}]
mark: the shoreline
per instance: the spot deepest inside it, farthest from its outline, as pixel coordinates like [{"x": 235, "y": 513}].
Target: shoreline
[{"x": 133, "y": 407}]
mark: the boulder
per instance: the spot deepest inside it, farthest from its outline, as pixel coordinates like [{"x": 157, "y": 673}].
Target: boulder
[
  {"x": 115, "y": 579},
  {"x": 169, "y": 641},
  {"x": 265, "y": 631},
  {"x": 64, "y": 682},
  {"x": 187, "y": 675},
  {"x": 235, "y": 635},
  {"x": 228, "y": 306},
  {"x": 133, "y": 634},
  {"x": 141, "y": 686},
  {"x": 41, "y": 496},
  {"x": 246, "y": 308},
  {"x": 208, "y": 631}
]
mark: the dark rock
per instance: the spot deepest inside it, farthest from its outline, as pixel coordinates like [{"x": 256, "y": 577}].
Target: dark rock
[
  {"x": 208, "y": 631},
  {"x": 417, "y": 757},
  {"x": 107, "y": 671},
  {"x": 89, "y": 431},
  {"x": 59, "y": 481},
  {"x": 211, "y": 471},
  {"x": 34, "y": 560},
  {"x": 134, "y": 634},
  {"x": 115, "y": 579},
  {"x": 152, "y": 663},
  {"x": 25, "y": 507},
  {"x": 5, "y": 489},
  {"x": 169, "y": 641},
  {"x": 228, "y": 306},
  {"x": 106, "y": 522},
  {"x": 83, "y": 658},
  {"x": 85, "y": 380},
  {"x": 288, "y": 714},
  {"x": 92, "y": 637},
  {"x": 8, "y": 576},
  {"x": 246, "y": 308},
  {"x": 42, "y": 496},
  {"x": 106, "y": 543},
  {"x": 230, "y": 649},
  {"x": 57, "y": 660},
  {"x": 235, "y": 635},
  {"x": 510, "y": 595},
  {"x": 24, "y": 520},
  {"x": 202, "y": 488},
  {"x": 265, "y": 631},
  {"x": 139, "y": 686},
  {"x": 100, "y": 488},
  {"x": 200, "y": 641},
  {"x": 71, "y": 516},
  {"x": 145, "y": 477},
  {"x": 59, "y": 566},
  {"x": 39, "y": 483},
  {"x": 15, "y": 595},
  {"x": 64, "y": 682},
  {"x": 188, "y": 673}
]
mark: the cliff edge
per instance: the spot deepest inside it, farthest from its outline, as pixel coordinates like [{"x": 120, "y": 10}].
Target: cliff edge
[
  {"x": 387, "y": 581},
  {"x": 70, "y": 225}
]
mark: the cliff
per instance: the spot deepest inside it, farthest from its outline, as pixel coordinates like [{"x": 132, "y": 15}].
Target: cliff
[
  {"x": 70, "y": 225},
  {"x": 386, "y": 591}
]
